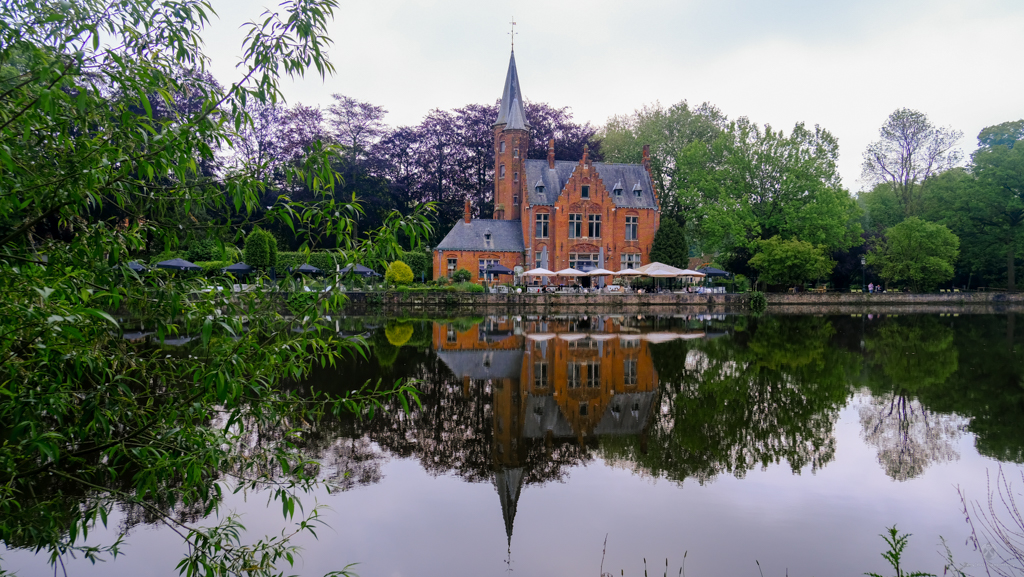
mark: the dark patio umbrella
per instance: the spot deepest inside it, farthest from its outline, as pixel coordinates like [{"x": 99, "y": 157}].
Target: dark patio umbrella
[
  {"x": 712, "y": 271},
  {"x": 498, "y": 269},
  {"x": 306, "y": 269},
  {"x": 178, "y": 264},
  {"x": 135, "y": 266},
  {"x": 359, "y": 270},
  {"x": 239, "y": 268}
]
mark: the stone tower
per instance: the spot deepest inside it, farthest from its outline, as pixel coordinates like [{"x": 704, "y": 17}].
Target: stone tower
[{"x": 511, "y": 141}]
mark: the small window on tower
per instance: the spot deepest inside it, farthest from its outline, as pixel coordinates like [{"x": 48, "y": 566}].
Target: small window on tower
[
  {"x": 502, "y": 171},
  {"x": 515, "y": 200},
  {"x": 515, "y": 153},
  {"x": 585, "y": 192},
  {"x": 503, "y": 145}
]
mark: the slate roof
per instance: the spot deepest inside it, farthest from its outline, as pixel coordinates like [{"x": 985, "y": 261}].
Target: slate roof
[
  {"x": 510, "y": 111},
  {"x": 543, "y": 414},
  {"x": 628, "y": 175},
  {"x": 496, "y": 364},
  {"x": 506, "y": 236}
]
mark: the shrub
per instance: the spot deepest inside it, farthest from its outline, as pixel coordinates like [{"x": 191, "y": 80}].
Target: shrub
[
  {"x": 461, "y": 275},
  {"x": 421, "y": 262},
  {"x": 206, "y": 249},
  {"x": 398, "y": 273},
  {"x": 398, "y": 333},
  {"x": 212, "y": 267},
  {"x": 257, "y": 251},
  {"x": 758, "y": 302},
  {"x": 326, "y": 261}
]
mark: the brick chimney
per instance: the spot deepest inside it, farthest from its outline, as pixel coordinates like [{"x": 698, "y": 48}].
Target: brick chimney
[
  {"x": 586, "y": 155},
  {"x": 466, "y": 215},
  {"x": 551, "y": 153}
]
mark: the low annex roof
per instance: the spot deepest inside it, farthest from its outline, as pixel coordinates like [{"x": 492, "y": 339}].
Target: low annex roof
[
  {"x": 632, "y": 177},
  {"x": 505, "y": 236}
]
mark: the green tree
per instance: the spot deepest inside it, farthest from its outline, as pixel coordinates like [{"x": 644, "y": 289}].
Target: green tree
[
  {"x": 398, "y": 273},
  {"x": 462, "y": 275},
  {"x": 753, "y": 183},
  {"x": 667, "y": 131},
  {"x": 670, "y": 245},
  {"x": 998, "y": 204},
  {"x": 910, "y": 150},
  {"x": 916, "y": 252},
  {"x": 790, "y": 262},
  {"x": 92, "y": 173},
  {"x": 881, "y": 208}
]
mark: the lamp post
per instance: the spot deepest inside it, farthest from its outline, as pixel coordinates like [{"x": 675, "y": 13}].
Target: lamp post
[{"x": 863, "y": 262}]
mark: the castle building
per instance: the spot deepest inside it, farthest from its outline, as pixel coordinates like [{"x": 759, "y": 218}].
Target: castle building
[{"x": 553, "y": 214}]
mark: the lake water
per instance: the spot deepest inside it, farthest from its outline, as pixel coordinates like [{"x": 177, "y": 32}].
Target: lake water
[{"x": 565, "y": 445}]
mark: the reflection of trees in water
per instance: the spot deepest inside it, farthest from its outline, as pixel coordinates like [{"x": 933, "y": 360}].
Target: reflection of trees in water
[
  {"x": 910, "y": 355},
  {"x": 769, "y": 394},
  {"x": 908, "y": 436}
]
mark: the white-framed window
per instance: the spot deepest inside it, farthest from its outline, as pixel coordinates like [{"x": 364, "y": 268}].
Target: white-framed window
[
  {"x": 575, "y": 225},
  {"x": 593, "y": 375},
  {"x": 630, "y": 260},
  {"x": 542, "y": 225},
  {"x": 502, "y": 171},
  {"x": 575, "y": 375},
  {"x": 452, "y": 263},
  {"x": 629, "y": 372},
  {"x": 502, "y": 145},
  {"x": 515, "y": 200},
  {"x": 540, "y": 375},
  {"x": 484, "y": 265},
  {"x": 515, "y": 177},
  {"x": 540, "y": 259},
  {"x": 577, "y": 259},
  {"x": 632, "y": 227},
  {"x": 594, "y": 225}
]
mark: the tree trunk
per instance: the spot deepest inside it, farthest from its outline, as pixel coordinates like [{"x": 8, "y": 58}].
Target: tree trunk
[{"x": 1010, "y": 286}]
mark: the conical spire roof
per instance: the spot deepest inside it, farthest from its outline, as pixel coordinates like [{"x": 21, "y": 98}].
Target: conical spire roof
[
  {"x": 509, "y": 482},
  {"x": 510, "y": 111}
]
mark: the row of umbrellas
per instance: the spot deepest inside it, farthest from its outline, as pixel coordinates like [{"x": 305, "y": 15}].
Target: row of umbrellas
[
  {"x": 654, "y": 269},
  {"x": 240, "y": 268}
]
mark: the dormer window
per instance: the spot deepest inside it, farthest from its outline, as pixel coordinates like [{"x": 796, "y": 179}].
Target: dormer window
[
  {"x": 539, "y": 187},
  {"x": 487, "y": 239},
  {"x": 617, "y": 189},
  {"x": 637, "y": 189}
]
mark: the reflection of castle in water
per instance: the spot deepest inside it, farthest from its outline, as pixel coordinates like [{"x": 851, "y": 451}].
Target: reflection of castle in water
[{"x": 551, "y": 379}]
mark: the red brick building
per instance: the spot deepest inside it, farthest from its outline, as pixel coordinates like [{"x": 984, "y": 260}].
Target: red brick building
[{"x": 553, "y": 214}]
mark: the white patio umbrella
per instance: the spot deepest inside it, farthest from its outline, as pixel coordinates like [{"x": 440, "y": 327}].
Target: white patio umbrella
[
  {"x": 570, "y": 272},
  {"x": 600, "y": 272},
  {"x": 540, "y": 336},
  {"x": 603, "y": 336},
  {"x": 660, "y": 337},
  {"x": 571, "y": 336},
  {"x": 538, "y": 272},
  {"x": 691, "y": 272}
]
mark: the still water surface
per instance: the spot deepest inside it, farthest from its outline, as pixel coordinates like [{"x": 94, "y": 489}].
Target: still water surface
[{"x": 790, "y": 441}]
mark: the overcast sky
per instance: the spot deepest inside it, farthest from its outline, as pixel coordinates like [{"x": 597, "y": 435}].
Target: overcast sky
[{"x": 845, "y": 65}]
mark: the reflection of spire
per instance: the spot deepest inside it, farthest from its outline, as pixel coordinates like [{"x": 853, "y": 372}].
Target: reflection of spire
[{"x": 509, "y": 482}]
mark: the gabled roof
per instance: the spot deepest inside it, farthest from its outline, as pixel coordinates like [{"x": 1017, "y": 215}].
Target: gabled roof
[
  {"x": 510, "y": 111},
  {"x": 484, "y": 364},
  {"x": 631, "y": 176},
  {"x": 506, "y": 236}
]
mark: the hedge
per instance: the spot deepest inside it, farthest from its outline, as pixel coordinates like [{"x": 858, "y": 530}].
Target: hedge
[{"x": 398, "y": 273}]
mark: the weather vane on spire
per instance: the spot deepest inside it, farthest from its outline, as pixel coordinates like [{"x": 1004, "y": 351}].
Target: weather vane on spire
[{"x": 513, "y": 32}]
